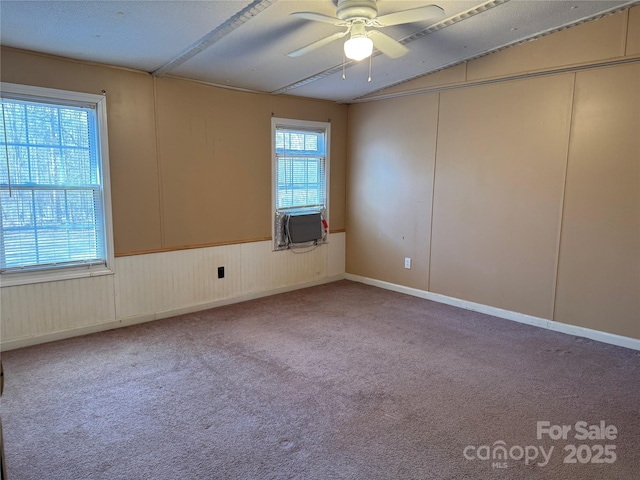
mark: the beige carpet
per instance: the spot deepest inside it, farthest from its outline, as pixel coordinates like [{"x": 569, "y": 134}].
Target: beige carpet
[{"x": 341, "y": 381}]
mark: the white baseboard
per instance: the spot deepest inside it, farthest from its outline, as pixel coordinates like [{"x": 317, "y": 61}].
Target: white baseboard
[
  {"x": 597, "y": 335},
  {"x": 147, "y": 317}
]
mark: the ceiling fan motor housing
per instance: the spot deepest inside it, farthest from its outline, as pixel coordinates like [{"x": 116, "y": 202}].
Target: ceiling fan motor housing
[{"x": 350, "y": 9}]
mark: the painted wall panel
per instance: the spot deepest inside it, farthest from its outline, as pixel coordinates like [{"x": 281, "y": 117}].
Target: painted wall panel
[
  {"x": 633, "y": 32},
  {"x": 132, "y": 141},
  {"x": 337, "y": 254},
  {"x": 262, "y": 268},
  {"x": 208, "y": 179},
  {"x": 597, "y": 40},
  {"x": 215, "y": 163},
  {"x": 159, "y": 282},
  {"x": 338, "y": 167},
  {"x": 37, "y": 309},
  {"x": 392, "y": 152},
  {"x": 215, "y": 160},
  {"x": 599, "y": 268},
  {"x": 498, "y": 193}
]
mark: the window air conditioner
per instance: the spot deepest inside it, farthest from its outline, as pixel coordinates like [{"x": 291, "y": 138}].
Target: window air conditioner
[{"x": 304, "y": 227}]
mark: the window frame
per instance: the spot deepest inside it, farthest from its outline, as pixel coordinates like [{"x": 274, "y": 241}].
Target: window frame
[
  {"x": 66, "y": 97},
  {"x": 293, "y": 124}
]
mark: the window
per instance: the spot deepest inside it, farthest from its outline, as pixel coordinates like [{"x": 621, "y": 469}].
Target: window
[
  {"x": 300, "y": 169},
  {"x": 54, "y": 186}
]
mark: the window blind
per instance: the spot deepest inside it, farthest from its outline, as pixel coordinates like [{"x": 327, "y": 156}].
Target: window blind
[
  {"x": 51, "y": 210},
  {"x": 300, "y": 168}
]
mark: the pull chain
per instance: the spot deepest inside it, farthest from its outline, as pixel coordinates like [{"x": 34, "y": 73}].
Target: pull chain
[
  {"x": 343, "y": 62},
  {"x": 369, "y": 68}
]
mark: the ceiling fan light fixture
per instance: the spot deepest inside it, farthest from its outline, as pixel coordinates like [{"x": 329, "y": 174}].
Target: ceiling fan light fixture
[{"x": 358, "y": 48}]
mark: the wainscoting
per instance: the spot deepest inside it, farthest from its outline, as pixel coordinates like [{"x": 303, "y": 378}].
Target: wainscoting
[{"x": 159, "y": 285}]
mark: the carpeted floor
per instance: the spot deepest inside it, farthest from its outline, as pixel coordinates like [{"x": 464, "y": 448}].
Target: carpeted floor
[{"x": 340, "y": 381}]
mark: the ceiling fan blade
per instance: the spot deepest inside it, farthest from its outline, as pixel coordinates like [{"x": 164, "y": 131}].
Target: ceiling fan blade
[
  {"x": 420, "y": 14},
  {"x": 320, "y": 43},
  {"x": 387, "y": 45},
  {"x": 317, "y": 17}
]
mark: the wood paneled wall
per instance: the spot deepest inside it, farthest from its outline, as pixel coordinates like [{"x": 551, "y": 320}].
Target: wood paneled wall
[
  {"x": 520, "y": 194},
  {"x": 190, "y": 166},
  {"x": 190, "y": 163},
  {"x": 529, "y": 186}
]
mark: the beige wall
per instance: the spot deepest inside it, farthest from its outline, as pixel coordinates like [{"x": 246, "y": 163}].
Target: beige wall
[
  {"x": 599, "y": 270},
  {"x": 592, "y": 41},
  {"x": 389, "y": 193},
  {"x": 535, "y": 182},
  {"x": 190, "y": 163},
  {"x": 132, "y": 140},
  {"x": 633, "y": 32},
  {"x": 498, "y": 196}
]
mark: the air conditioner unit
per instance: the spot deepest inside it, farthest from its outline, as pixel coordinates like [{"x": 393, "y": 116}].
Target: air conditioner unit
[{"x": 304, "y": 227}]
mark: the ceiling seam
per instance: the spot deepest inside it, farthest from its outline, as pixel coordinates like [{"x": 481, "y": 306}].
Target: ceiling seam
[
  {"x": 408, "y": 39},
  {"x": 243, "y": 16}
]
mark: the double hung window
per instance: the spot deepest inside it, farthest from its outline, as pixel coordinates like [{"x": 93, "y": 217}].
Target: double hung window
[
  {"x": 300, "y": 167},
  {"x": 54, "y": 185}
]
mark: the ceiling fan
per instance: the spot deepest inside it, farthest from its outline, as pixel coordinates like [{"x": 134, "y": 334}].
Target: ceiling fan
[{"x": 358, "y": 15}]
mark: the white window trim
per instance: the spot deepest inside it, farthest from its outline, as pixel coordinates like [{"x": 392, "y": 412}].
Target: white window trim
[
  {"x": 294, "y": 124},
  {"x": 100, "y": 103}
]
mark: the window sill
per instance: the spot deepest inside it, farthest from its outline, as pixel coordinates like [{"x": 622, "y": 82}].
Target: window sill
[{"x": 54, "y": 275}]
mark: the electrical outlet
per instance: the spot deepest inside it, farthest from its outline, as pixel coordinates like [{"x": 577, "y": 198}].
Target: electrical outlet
[
  {"x": 220, "y": 272},
  {"x": 407, "y": 263}
]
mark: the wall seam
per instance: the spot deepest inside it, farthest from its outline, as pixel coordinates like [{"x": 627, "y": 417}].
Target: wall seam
[
  {"x": 625, "y": 33},
  {"x": 347, "y": 175},
  {"x": 158, "y": 163},
  {"x": 564, "y": 196},
  {"x": 115, "y": 295},
  {"x": 433, "y": 193}
]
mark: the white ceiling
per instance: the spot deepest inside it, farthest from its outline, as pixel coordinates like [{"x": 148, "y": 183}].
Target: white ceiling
[{"x": 243, "y": 43}]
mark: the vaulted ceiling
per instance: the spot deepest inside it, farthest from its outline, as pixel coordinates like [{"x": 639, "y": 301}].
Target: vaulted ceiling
[{"x": 244, "y": 43}]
